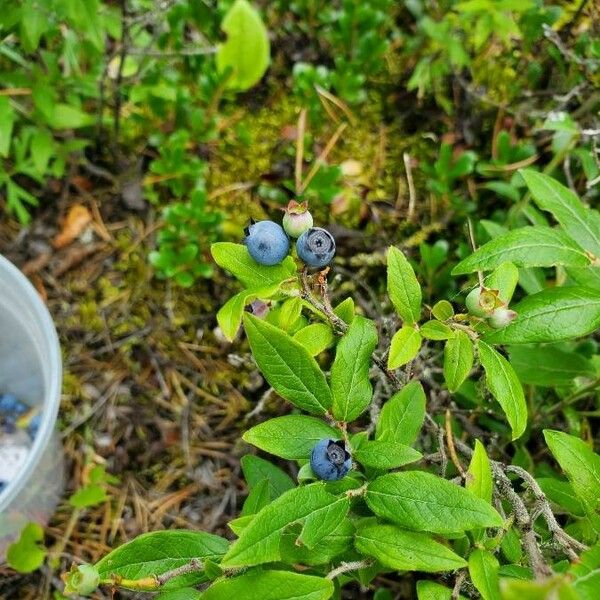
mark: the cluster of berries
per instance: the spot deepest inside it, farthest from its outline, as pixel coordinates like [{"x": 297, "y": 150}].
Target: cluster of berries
[
  {"x": 15, "y": 417},
  {"x": 268, "y": 242},
  {"x": 486, "y": 304}
]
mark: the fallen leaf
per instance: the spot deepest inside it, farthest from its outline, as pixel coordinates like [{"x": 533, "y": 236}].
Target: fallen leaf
[{"x": 78, "y": 218}]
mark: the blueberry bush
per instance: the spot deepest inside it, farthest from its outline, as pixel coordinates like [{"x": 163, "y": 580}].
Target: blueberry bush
[{"x": 395, "y": 475}]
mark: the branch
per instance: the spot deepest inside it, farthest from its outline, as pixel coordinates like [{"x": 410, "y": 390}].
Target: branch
[
  {"x": 346, "y": 567},
  {"x": 154, "y": 582},
  {"x": 568, "y": 543}
]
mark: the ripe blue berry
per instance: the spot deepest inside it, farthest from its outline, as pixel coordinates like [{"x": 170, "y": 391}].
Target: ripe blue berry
[
  {"x": 330, "y": 460},
  {"x": 34, "y": 426},
  {"x": 267, "y": 243},
  {"x": 9, "y": 405},
  {"x": 316, "y": 247}
]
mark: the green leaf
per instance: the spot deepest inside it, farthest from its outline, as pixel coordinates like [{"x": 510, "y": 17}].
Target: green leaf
[
  {"x": 525, "y": 247},
  {"x": 458, "y": 359},
  {"x": 270, "y": 585},
  {"x": 552, "y": 315},
  {"x": 34, "y": 23},
  {"x": 28, "y": 553},
  {"x": 152, "y": 554},
  {"x": 246, "y": 53},
  {"x": 503, "y": 383},
  {"x": 430, "y": 590},
  {"x": 350, "y": 385},
  {"x": 339, "y": 542},
  {"x": 562, "y": 494},
  {"x": 556, "y": 587},
  {"x": 320, "y": 524},
  {"x": 436, "y": 330},
  {"x": 7, "y": 120},
  {"x": 405, "y": 345},
  {"x": 258, "y": 469},
  {"x": 442, "y": 310},
  {"x": 230, "y": 315},
  {"x": 423, "y": 502},
  {"x": 89, "y": 495},
  {"x": 236, "y": 259},
  {"x": 586, "y": 572},
  {"x": 483, "y": 569},
  {"x": 580, "y": 464},
  {"x": 402, "y": 415},
  {"x": 257, "y": 499},
  {"x": 480, "y": 481},
  {"x": 503, "y": 278},
  {"x": 66, "y": 116},
  {"x": 382, "y": 454},
  {"x": 180, "y": 594},
  {"x": 345, "y": 310},
  {"x": 42, "y": 148},
  {"x": 546, "y": 366},
  {"x": 292, "y": 437},
  {"x": 402, "y": 286},
  {"x": 259, "y": 540},
  {"x": 315, "y": 337},
  {"x": 406, "y": 550},
  {"x": 287, "y": 366},
  {"x": 581, "y": 223}
]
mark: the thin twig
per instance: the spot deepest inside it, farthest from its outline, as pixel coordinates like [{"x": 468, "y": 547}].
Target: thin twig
[
  {"x": 346, "y": 567},
  {"x": 451, "y": 448},
  {"x": 412, "y": 194},
  {"x": 568, "y": 543},
  {"x": 322, "y": 157},
  {"x": 300, "y": 149}
]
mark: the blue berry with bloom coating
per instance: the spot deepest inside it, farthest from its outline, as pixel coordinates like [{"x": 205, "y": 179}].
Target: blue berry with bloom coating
[
  {"x": 9, "y": 405},
  {"x": 34, "y": 426},
  {"x": 267, "y": 242},
  {"x": 330, "y": 460},
  {"x": 316, "y": 247}
]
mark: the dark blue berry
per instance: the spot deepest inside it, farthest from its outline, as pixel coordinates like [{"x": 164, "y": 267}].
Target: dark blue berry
[
  {"x": 267, "y": 242},
  {"x": 330, "y": 460},
  {"x": 34, "y": 426},
  {"x": 316, "y": 247}
]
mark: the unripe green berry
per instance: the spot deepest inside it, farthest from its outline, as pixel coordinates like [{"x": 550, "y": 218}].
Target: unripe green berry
[
  {"x": 501, "y": 317},
  {"x": 481, "y": 302},
  {"x": 297, "y": 219},
  {"x": 81, "y": 580}
]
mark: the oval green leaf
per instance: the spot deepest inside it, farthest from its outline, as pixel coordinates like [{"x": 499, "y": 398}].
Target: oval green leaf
[
  {"x": 423, "y": 502},
  {"x": 287, "y": 366},
  {"x": 406, "y": 550},
  {"x": 526, "y": 247},
  {"x": 552, "y": 315},
  {"x": 292, "y": 437},
  {"x": 503, "y": 383},
  {"x": 350, "y": 384}
]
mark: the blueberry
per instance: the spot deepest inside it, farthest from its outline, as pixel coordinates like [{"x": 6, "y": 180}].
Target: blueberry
[
  {"x": 34, "y": 425},
  {"x": 316, "y": 247},
  {"x": 267, "y": 242},
  {"x": 9, "y": 405},
  {"x": 297, "y": 219},
  {"x": 481, "y": 302},
  {"x": 2, "y": 486},
  {"x": 330, "y": 460},
  {"x": 501, "y": 317}
]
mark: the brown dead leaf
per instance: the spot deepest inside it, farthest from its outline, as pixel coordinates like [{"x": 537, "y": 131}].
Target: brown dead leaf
[{"x": 78, "y": 218}]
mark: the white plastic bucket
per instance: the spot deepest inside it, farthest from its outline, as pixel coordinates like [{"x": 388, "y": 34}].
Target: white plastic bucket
[{"x": 31, "y": 369}]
